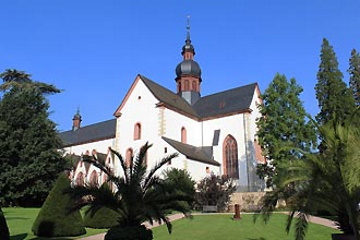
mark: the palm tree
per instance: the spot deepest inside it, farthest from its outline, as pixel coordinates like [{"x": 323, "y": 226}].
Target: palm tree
[
  {"x": 322, "y": 181},
  {"x": 13, "y": 78},
  {"x": 140, "y": 194}
]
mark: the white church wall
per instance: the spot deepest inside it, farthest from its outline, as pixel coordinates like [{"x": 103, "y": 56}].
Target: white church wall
[
  {"x": 140, "y": 108},
  {"x": 175, "y": 121},
  {"x": 230, "y": 125}
]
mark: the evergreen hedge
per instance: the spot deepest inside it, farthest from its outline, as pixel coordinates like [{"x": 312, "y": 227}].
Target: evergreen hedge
[
  {"x": 4, "y": 230},
  {"x": 129, "y": 233},
  {"x": 103, "y": 218},
  {"x": 54, "y": 218}
]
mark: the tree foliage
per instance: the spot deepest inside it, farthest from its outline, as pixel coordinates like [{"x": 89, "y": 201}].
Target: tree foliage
[
  {"x": 334, "y": 97},
  {"x": 215, "y": 190},
  {"x": 326, "y": 180},
  {"x": 29, "y": 157},
  {"x": 354, "y": 71},
  {"x": 55, "y": 218},
  {"x": 282, "y": 124},
  {"x": 140, "y": 194},
  {"x": 180, "y": 181}
]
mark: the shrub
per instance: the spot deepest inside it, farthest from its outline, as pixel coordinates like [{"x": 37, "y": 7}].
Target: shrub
[
  {"x": 55, "y": 218},
  {"x": 215, "y": 190},
  {"x": 180, "y": 181},
  {"x": 102, "y": 218},
  {"x": 4, "y": 230},
  {"x": 129, "y": 233}
]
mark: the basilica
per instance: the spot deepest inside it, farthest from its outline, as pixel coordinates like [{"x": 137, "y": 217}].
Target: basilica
[{"x": 213, "y": 134}]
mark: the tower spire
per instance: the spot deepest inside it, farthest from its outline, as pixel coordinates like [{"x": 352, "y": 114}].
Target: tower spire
[
  {"x": 188, "y": 29},
  {"x": 188, "y": 72}
]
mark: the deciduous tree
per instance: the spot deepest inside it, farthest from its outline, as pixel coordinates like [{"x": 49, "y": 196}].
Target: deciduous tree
[{"x": 282, "y": 124}]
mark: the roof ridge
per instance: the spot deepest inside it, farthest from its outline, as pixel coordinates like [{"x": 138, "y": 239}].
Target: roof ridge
[{"x": 231, "y": 89}]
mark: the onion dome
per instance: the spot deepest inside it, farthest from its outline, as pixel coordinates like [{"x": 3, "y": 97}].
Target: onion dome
[{"x": 188, "y": 67}]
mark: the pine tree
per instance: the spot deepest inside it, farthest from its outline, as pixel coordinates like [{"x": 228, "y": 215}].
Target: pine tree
[
  {"x": 282, "y": 125},
  {"x": 29, "y": 158},
  {"x": 354, "y": 71},
  {"x": 334, "y": 98},
  {"x": 55, "y": 218}
]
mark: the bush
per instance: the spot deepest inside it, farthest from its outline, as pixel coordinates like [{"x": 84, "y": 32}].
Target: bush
[
  {"x": 102, "y": 218},
  {"x": 215, "y": 190},
  {"x": 129, "y": 233},
  {"x": 4, "y": 230},
  {"x": 55, "y": 218},
  {"x": 180, "y": 181}
]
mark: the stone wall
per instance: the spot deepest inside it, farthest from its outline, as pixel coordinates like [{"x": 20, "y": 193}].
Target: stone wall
[{"x": 248, "y": 201}]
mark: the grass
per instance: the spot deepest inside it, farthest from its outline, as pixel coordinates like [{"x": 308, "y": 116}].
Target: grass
[
  {"x": 215, "y": 227},
  {"x": 20, "y": 221},
  {"x": 209, "y": 227}
]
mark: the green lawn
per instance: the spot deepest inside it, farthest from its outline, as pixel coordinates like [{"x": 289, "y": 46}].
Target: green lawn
[
  {"x": 209, "y": 227},
  {"x": 222, "y": 227},
  {"x": 20, "y": 221}
]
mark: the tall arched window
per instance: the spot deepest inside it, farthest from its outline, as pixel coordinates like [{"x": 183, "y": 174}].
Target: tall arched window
[
  {"x": 137, "y": 131},
  {"x": 183, "y": 135},
  {"x": 94, "y": 181},
  {"x": 129, "y": 155},
  {"x": 79, "y": 179},
  {"x": 193, "y": 84},
  {"x": 187, "y": 85},
  {"x": 230, "y": 157}
]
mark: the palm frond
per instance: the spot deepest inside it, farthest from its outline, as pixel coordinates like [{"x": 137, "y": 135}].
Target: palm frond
[
  {"x": 301, "y": 226},
  {"x": 157, "y": 166},
  {"x": 122, "y": 163}
]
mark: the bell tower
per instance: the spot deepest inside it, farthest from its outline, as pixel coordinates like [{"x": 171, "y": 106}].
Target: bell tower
[{"x": 188, "y": 72}]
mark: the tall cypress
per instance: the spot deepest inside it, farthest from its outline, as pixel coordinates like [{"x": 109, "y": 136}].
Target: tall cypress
[
  {"x": 354, "y": 71},
  {"x": 334, "y": 97}
]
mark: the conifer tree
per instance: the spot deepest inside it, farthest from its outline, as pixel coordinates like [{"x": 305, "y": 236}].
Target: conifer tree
[
  {"x": 282, "y": 125},
  {"x": 334, "y": 97},
  {"x": 354, "y": 71},
  {"x": 29, "y": 158},
  {"x": 55, "y": 218}
]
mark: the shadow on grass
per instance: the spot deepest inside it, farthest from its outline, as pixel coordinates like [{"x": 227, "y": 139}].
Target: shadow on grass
[
  {"x": 53, "y": 238},
  {"x": 21, "y": 236}
]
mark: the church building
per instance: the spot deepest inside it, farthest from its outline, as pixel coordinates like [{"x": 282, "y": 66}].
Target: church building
[{"x": 214, "y": 134}]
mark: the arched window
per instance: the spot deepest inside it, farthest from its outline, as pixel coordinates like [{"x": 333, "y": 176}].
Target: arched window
[
  {"x": 193, "y": 88},
  {"x": 129, "y": 155},
  {"x": 183, "y": 135},
  {"x": 94, "y": 181},
  {"x": 79, "y": 179},
  {"x": 187, "y": 86},
  {"x": 137, "y": 131},
  {"x": 230, "y": 157}
]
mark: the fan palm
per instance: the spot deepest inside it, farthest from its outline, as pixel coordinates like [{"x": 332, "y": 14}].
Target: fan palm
[
  {"x": 140, "y": 195},
  {"x": 322, "y": 181}
]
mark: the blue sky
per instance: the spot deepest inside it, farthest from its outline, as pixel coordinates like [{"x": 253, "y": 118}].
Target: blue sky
[{"x": 93, "y": 50}]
